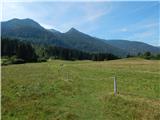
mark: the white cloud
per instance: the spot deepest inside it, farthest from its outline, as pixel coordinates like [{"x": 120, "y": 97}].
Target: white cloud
[
  {"x": 123, "y": 30},
  {"x": 95, "y": 15},
  {"x": 94, "y": 11},
  {"x": 47, "y": 26},
  {"x": 56, "y": 13},
  {"x": 151, "y": 25},
  {"x": 144, "y": 34},
  {"x": 91, "y": 13}
]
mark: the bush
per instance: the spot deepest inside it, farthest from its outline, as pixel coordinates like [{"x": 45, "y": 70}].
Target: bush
[
  {"x": 18, "y": 61},
  {"x": 157, "y": 57},
  {"x": 6, "y": 61},
  {"x": 147, "y": 55},
  {"x": 52, "y": 58},
  {"x": 11, "y": 60},
  {"x": 42, "y": 60}
]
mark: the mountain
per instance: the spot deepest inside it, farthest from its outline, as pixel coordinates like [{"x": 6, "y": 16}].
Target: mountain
[
  {"x": 21, "y": 28},
  {"x": 133, "y": 47},
  {"x": 28, "y": 29},
  {"x": 78, "y": 40}
]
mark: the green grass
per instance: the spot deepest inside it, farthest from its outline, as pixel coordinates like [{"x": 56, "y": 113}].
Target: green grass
[{"x": 81, "y": 90}]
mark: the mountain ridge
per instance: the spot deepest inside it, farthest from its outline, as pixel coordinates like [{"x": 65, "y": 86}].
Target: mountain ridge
[
  {"x": 30, "y": 30},
  {"x": 131, "y": 45}
]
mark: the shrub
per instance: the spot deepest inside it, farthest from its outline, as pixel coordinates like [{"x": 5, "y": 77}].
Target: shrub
[
  {"x": 18, "y": 61},
  {"x": 11, "y": 60},
  {"x": 6, "y": 61},
  {"x": 42, "y": 60}
]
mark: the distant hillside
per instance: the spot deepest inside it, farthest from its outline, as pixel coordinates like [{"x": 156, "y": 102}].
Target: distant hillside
[
  {"x": 133, "y": 47},
  {"x": 28, "y": 29},
  {"x": 76, "y": 39}
]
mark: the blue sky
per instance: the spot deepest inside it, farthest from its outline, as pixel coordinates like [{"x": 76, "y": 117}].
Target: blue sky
[{"x": 137, "y": 21}]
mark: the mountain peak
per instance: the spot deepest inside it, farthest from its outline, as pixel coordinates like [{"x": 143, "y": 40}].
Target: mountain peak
[
  {"x": 76, "y": 32},
  {"x": 23, "y": 23},
  {"x": 14, "y": 19},
  {"x": 72, "y": 30},
  {"x": 17, "y": 19}
]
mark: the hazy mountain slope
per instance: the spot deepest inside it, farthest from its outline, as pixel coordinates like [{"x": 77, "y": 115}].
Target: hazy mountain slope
[
  {"x": 133, "y": 47},
  {"x": 79, "y": 40}
]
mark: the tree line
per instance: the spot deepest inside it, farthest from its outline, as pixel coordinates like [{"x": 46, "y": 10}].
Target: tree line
[
  {"x": 147, "y": 55},
  {"x": 23, "y": 51}
]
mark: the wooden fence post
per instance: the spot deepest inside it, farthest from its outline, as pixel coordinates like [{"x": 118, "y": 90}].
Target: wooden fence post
[{"x": 115, "y": 86}]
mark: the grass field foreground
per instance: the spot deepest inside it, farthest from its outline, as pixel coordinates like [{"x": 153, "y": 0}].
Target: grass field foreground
[{"x": 81, "y": 90}]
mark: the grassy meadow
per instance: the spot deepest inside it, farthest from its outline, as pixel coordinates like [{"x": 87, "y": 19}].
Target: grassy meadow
[{"x": 81, "y": 90}]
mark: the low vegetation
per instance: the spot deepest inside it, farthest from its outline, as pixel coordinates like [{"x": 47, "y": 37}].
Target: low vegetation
[
  {"x": 81, "y": 90},
  {"x": 147, "y": 55}
]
